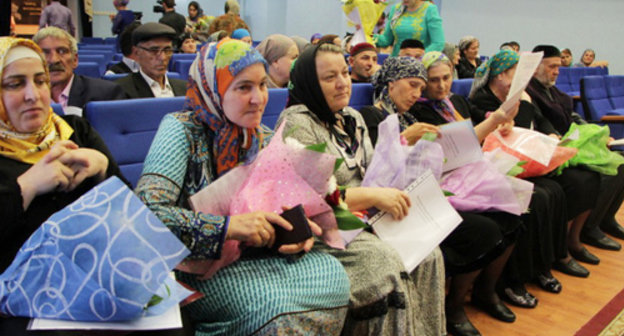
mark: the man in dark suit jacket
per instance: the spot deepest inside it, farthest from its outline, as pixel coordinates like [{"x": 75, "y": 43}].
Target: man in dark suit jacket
[
  {"x": 153, "y": 47},
  {"x": 70, "y": 90}
]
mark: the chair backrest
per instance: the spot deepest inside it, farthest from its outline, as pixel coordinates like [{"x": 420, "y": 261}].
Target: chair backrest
[
  {"x": 575, "y": 80},
  {"x": 57, "y": 108},
  {"x": 381, "y": 57},
  {"x": 128, "y": 128},
  {"x": 89, "y": 69},
  {"x": 91, "y": 40},
  {"x": 594, "y": 97},
  {"x": 110, "y": 47},
  {"x": 177, "y": 75},
  {"x": 563, "y": 80},
  {"x": 177, "y": 57},
  {"x": 117, "y": 57},
  {"x": 183, "y": 67},
  {"x": 462, "y": 86},
  {"x": 361, "y": 95},
  {"x": 99, "y": 59},
  {"x": 114, "y": 77},
  {"x": 615, "y": 91},
  {"x": 275, "y": 106},
  {"x": 108, "y": 54}
]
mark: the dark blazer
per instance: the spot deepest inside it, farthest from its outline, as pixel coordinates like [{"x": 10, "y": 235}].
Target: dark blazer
[
  {"x": 136, "y": 87},
  {"x": 85, "y": 89}
]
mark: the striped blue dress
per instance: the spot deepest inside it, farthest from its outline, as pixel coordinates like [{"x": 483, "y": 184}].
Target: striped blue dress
[{"x": 261, "y": 294}]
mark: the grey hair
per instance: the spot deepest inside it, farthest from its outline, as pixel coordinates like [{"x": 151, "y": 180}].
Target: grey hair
[
  {"x": 330, "y": 48},
  {"x": 59, "y": 34}
]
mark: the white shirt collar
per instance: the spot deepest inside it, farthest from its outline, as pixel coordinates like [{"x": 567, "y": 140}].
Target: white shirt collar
[{"x": 155, "y": 86}]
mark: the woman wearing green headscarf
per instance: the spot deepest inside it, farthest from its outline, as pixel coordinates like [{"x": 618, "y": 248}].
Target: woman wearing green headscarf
[{"x": 490, "y": 88}]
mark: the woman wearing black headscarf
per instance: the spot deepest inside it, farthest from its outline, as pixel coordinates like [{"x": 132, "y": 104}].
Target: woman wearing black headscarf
[{"x": 384, "y": 298}]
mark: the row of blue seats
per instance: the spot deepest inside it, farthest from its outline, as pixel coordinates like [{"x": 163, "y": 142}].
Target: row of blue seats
[
  {"x": 128, "y": 126},
  {"x": 602, "y": 96},
  {"x": 569, "y": 79}
]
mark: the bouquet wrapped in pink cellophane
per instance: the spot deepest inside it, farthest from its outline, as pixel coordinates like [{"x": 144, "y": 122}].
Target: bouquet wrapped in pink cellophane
[
  {"x": 281, "y": 175},
  {"x": 485, "y": 186},
  {"x": 395, "y": 164}
]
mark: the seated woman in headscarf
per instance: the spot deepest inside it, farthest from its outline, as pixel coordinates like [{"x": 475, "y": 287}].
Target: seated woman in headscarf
[
  {"x": 385, "y": 300},
  {"x": 588, "y": 59},
  {"x": 242, "y": 34},
  {"x": 197, "y": 23},
  {"x": 219, "y": 129},
  {"x": 469, "y": 59},
  {"x": 489, "y": 89},
  {"x": 46, "y": 161},
  {"x": 279, "y": 51},
  {"x": 481, "y": 244},
  {"x": 544, "y": 238}
]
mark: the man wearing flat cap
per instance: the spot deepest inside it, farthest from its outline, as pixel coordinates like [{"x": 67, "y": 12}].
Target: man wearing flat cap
[
  {"x": 363, "y": 62},
  {"x": 152, "y": 47},
  {"x": 557, "y": 107}
]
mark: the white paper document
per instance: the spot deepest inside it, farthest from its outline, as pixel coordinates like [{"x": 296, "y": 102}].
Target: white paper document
[
  {"x": 430, "y": 219},
  {"x": 460, "y": 144},
  {"x": 358, "y": 36},
  {"x": 524, "y": 72},
  {"x": 169, "y": 320}
]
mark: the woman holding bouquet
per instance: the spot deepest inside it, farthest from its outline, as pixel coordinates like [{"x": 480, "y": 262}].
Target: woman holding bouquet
[
  {"x": 385, "y": 299},
  {"x": 262, "y": 292},
  {"x": 46, "y": 161},
  {"x": 480, "y": 246}
]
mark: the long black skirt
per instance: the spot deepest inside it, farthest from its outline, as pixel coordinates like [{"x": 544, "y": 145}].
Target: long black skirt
[
  {"x": 544, "y": 239},
  {"x": 479, "y": 239}
]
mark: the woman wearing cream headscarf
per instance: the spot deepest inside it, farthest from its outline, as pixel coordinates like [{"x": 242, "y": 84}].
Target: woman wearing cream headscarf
[
  {"x": 279, "y": 51},
  {"x": 46, "y": 161}
]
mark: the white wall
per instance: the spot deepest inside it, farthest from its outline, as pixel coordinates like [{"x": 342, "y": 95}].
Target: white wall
[{"x": 575, "y": 24}]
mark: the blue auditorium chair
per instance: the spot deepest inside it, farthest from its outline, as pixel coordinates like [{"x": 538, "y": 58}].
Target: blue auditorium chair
[
  {"x": 615, "y": 91},
  {"x": 108, "y": 54},
  {"x": 91, "y": 40},
  {"x": 128, "y": 128},
  {"x": 114, "y": 77},
  {"x": 275, "y": 106},
  {"x": 183, "y": 67},
  {"x": 57, "y": 108},
  {"x": 99, "y": 59},
  {"x": 462, "y": 86},
  {"x": 563, "y": 80},
  {"x": 177, "y": 75},
  {"x": 89, "y": 69},
  {"x": 598, "y": 107},
  {"x": 361, "y": 95},
  {"x": 176, "y": 57},
  {"x": 575, "y": 81},
  {"x": 381, "y": 57}
]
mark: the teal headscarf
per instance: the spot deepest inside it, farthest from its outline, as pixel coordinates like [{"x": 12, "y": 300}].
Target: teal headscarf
[{"x": 497, "y": 64}]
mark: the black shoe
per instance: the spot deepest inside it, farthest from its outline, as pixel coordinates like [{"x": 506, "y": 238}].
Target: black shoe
[
  {"x": 497, "y": 310},
  {"x": 462, "y": 329},
  {"x": 571, "y": 268},
  {"x": 519, "y": 296},
  {"x": 549, "y": 283},
  {"x": 584, "y": 256},
  {"x": 603, "y": 242},
  {"x": 613, "y": 228}
]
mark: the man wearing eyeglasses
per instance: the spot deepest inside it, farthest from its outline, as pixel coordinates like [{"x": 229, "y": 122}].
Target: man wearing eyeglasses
[
  {"x": 68, "y": 89},
  {"x": 152, "y": 47}
]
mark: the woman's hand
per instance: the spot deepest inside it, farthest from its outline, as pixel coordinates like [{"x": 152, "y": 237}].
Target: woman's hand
[
  {"x": 85, "y": 162},
  {"x": 506, "y": 128},
  {"x": 255, "y": 228},
  {"x": 47, "y": 174},
  {"x": 391, "y": 200},
  {"x": 305, "y": 245},
  {"x": 417, "y": 130}
]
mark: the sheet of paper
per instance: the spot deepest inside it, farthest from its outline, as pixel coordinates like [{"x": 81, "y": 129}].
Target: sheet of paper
[
  {"x": 430, "y": 219},
  {"x": 618, "y": 142},
  {"x": 169, "y": 320},
  {"x": 460, "y": 144},
  {"x": 524, "y": 72},
  {"x": 73, "y": 110},
  {"x": 359, "y": 36}
]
